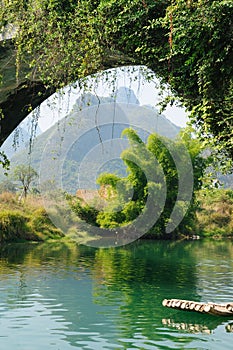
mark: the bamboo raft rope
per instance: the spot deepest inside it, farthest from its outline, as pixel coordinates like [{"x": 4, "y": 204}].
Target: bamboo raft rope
[{"x": 207, "y": 308}]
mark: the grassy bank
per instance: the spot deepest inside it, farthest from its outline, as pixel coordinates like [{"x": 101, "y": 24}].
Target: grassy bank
[
  {"x": 28, "y": 220},
  {"x": 20, "y": 221}
]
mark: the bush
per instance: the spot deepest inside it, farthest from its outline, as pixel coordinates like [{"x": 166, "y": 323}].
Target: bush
[{"x": 42, "y": 225}]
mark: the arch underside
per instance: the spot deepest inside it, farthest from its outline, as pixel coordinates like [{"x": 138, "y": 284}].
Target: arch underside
[{"x": 18, "y": 97}]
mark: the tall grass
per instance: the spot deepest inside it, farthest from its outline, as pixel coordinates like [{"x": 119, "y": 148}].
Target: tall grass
[
  {"x": 215, "y": 218},
  {"x": 26, "y": 220}
]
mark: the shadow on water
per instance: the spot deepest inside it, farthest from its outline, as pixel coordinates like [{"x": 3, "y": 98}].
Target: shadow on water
[{"x": 112, "y": 298}]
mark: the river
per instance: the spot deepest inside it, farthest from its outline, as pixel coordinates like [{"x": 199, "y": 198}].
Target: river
[{"x": 62, "y": 296}]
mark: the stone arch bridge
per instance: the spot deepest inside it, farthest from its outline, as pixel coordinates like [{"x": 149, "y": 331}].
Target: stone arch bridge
[{"x": 18, "y": 96}]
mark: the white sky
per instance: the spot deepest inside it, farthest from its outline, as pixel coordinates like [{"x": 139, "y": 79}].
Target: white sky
[{"x": 58, "y": 106}]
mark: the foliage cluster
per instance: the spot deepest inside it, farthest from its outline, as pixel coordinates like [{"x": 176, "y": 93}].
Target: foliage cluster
[
  {"x": 201, "y": 66},
  {"x": 4, "y": 161},
  {"x": 187, "y": 43},
  {"x": 68, "y": 45},
  {"x": 146, "y": 179}
]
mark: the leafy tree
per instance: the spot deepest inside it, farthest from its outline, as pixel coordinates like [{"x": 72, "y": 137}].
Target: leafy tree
[
  {"x": 146, "y": 177},
  {"x": 150, "y": 166},
  {"x": 25, "y": 175},
  {"x": 188, "y": 43}
]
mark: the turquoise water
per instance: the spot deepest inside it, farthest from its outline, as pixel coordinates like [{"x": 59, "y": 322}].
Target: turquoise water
[{"x": 63, "y": 296}]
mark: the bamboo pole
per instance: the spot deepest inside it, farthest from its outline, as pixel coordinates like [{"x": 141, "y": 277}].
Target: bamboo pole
[{"x": 210, "y": 308}]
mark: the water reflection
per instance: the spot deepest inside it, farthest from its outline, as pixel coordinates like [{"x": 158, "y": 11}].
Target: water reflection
[
  {"x": 67, "y": 296},
  {"x": 203, "y": 326}
]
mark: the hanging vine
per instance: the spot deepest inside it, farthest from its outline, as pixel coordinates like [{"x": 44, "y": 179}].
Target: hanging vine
[{"x": 77, "y": 39}]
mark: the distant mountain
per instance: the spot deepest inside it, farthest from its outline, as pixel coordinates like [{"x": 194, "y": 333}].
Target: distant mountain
[
  {"x": 122, "y": 95},
  {"x": 126, "y": 95},
  {"x": 19, "y": 139}
]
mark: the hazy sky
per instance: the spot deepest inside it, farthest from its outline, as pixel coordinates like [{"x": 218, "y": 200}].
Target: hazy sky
[{"x": 58, "y": 106}]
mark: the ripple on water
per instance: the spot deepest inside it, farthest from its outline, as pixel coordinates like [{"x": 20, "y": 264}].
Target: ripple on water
[{"x": 111, "y": 299}]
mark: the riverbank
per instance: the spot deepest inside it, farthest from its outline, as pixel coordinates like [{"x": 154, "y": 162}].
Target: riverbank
[{"x": 28, "y": 220}]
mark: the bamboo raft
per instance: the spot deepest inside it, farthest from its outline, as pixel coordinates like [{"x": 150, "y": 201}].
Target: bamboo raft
[{"x": 206, "y": 308}]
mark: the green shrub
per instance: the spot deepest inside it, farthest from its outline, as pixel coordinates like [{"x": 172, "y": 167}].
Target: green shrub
[{"x": 42, "y": 225}]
